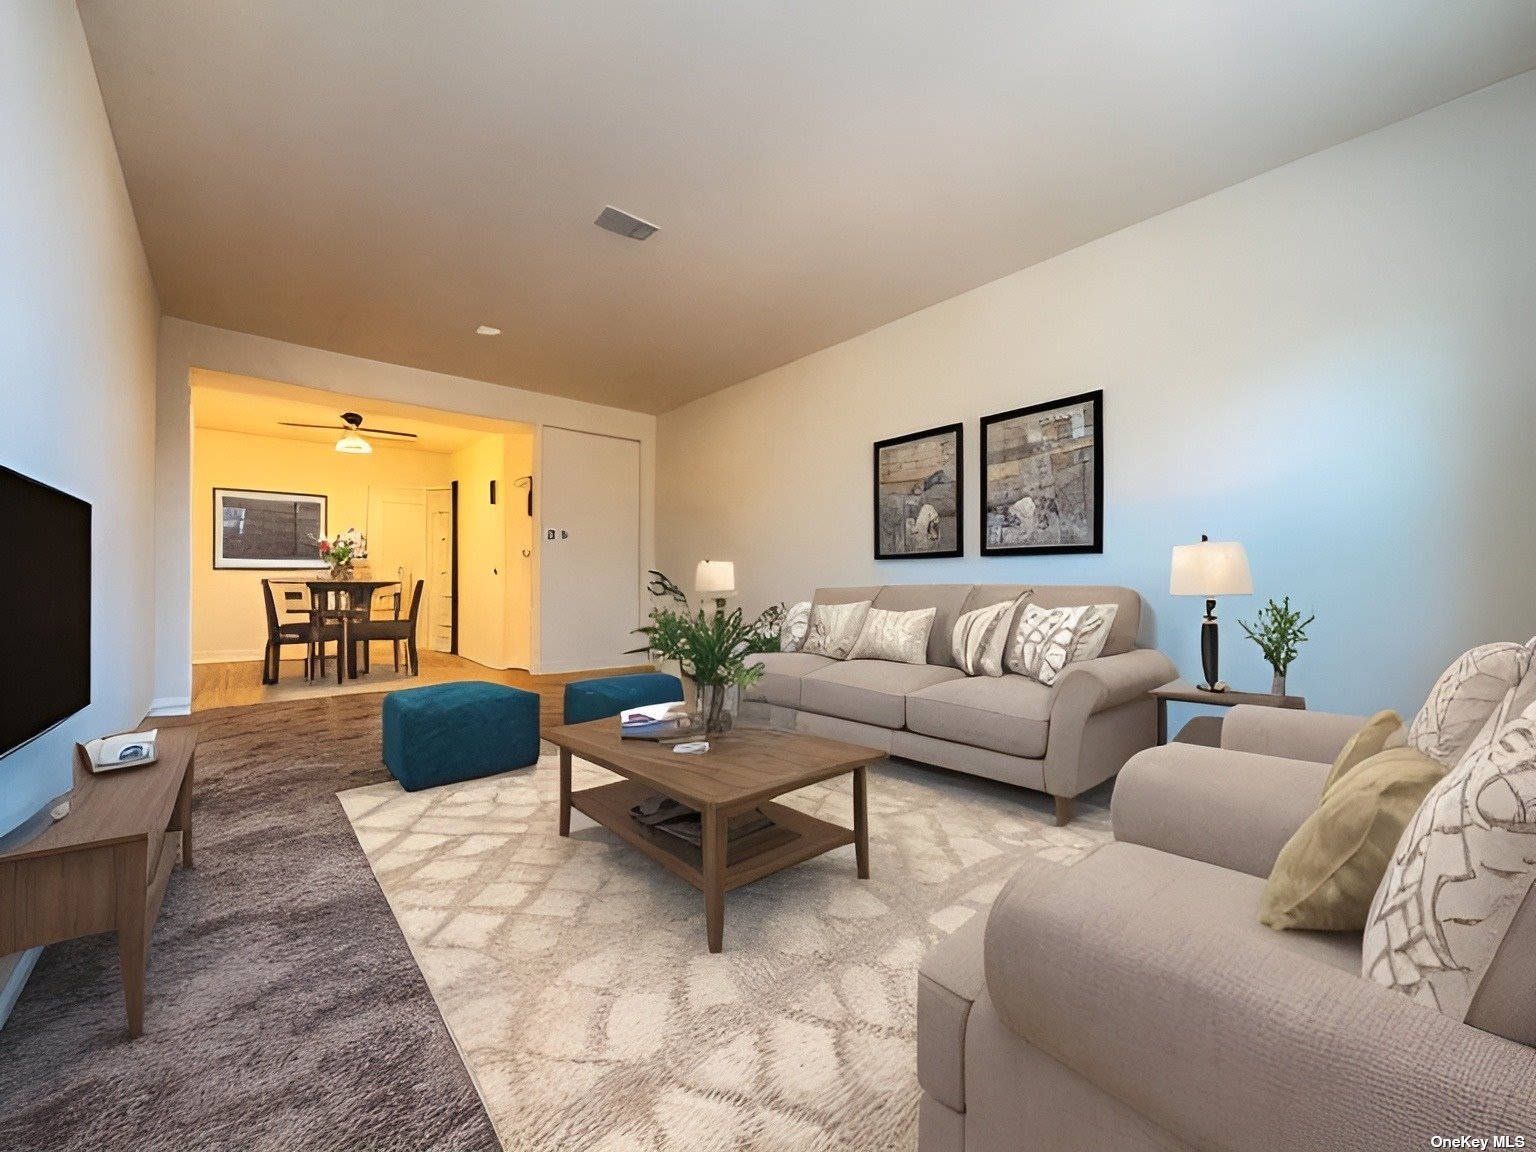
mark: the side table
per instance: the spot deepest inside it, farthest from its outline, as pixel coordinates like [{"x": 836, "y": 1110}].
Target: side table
[{"x": 1183, "y": 692}]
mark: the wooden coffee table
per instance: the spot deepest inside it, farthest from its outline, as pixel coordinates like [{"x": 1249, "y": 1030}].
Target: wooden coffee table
[{"x": 743, "y": 770}]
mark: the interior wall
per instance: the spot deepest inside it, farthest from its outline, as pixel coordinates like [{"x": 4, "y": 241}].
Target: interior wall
[
  {"x": 78, "y": 325},
  {"x": 482, "y": 568},
  {"x": 522, "y": 549},
  {"x": 184, "y": 346},
  {"x": 228, "y": 618},
  {"x": 1331, "y": 363}
]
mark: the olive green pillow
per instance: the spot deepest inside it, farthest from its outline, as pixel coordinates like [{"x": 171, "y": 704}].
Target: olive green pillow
[
  {"x": 1381, "y": 731},
  {"x": 1327, "y": 874}
]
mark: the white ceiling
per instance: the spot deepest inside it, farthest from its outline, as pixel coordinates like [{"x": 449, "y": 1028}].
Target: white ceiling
[
  {"x": 380, "y": 178},
  {"x": 256, "y": 407}
]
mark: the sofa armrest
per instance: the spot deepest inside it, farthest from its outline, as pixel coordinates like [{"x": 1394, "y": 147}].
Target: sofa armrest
[
  {"x": 948, "y": 983},
  {"x": 1232, "y": 809},
  {"x": 1228, "y": 1040},
  {"x": 1093, "y": 685},
  {"x": 1288, "y": 732}
]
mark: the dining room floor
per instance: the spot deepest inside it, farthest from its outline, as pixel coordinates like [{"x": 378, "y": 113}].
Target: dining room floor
[{"x": 228, "y": 685}]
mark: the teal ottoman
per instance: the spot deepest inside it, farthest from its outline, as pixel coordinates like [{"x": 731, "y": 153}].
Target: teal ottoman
[
  {"x": 445, "y": 733},
  {"x": 609, "y": 695}
]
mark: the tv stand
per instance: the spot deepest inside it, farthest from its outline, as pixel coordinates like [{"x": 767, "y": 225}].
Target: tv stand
[{"x": 105, "y": 866}]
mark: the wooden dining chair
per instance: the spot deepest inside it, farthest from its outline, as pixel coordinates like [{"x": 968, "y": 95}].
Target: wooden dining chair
[
  {"x": 283, "y": 627},
  {"x": 399, "y": 631}
]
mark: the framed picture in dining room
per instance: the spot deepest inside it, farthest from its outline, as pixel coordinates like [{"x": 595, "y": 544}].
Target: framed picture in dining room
[
  {"x": 272, "y": 530},
  {"x": 1043, "y": 478},
  {"x": 918, "y": 494}
]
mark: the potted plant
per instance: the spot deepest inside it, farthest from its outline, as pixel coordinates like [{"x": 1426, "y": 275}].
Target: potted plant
[
  {"x": 341, "y": 550},
  {"x": 1278, "y": 631},
  {"x": 711, "y": 648}
]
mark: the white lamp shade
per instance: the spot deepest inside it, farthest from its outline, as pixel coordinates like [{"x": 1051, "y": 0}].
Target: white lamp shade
[
  {"x": 352, "y": 442},
  {"x": 1211, "y": 568},
  {"x": 717, "y": 577}
]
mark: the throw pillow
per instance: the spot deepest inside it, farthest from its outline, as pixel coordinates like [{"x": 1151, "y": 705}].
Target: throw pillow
[
  {"x": 898, "y": 636},
  {"x": 1460, "y": 873},
  {"x": 1380, "y": 732},
  {"x": 1327, "y": 874},
  {"x": 1098, "y": 619},
  {"x": 980, "y": 637},
  {"x": 797, "y": 622},
  {"x": 834, "y": 629},
  {"x": 1464, "y": 697},
  {"x": 1042, "y": 646}
]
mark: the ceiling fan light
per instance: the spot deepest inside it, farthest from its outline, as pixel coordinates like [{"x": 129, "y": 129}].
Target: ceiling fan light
[{"x": 352, "y": 442}]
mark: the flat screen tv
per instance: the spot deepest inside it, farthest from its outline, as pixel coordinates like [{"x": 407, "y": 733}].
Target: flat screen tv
[{"x": 45, "y": 585}]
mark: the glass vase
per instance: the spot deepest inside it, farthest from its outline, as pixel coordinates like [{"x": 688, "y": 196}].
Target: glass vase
[{"x": 714, "y": 709}]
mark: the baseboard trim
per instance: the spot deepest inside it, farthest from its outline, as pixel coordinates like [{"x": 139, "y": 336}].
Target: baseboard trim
[
  {"x": 232, "y": 656},
  {"x": 170, "y": 706},
  {"x": 14, "y": 971}
]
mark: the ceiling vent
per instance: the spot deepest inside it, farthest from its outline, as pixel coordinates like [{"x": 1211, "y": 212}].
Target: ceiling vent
[{"x": 624, "y": 224}]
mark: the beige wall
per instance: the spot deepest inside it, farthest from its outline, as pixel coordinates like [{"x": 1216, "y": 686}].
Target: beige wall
[
  {"x": 78, "y": 325},
  {"x": 184, "y": 346},
  {"x": 1332, "y": 363},
  {"x": 228, "y": 621}
]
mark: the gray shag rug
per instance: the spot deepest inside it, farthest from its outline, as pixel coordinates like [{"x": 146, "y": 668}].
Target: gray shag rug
[{"x": 284, "y": 1008}]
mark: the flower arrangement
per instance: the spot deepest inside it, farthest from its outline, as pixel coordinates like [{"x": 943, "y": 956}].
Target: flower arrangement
[
  {"x": 341, "y": 550},
  {"x": 1278, "y": 631},
  {"x": 711, "y": 648}
]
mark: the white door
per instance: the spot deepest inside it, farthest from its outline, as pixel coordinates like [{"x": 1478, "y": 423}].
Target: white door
[
  {"x": 438, "y": 606},
  {"x": 589, "y": 572},
  {"x": 397, "y": 539}
]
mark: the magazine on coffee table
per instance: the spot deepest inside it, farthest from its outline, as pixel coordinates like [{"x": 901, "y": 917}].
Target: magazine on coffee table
[{"x": 664, "y": 814}]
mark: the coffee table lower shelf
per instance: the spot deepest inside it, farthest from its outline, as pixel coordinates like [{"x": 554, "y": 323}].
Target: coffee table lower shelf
[{"x": 793, "y": 839}]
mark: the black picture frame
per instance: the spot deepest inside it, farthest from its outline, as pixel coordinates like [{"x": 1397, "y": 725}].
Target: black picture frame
[
  {"x": 285, "y": 550},
  {"x": 1052, "y": 456},
  {"x": 926, "y": 521}
]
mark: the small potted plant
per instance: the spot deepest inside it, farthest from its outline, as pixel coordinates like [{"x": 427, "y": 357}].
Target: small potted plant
[
  {"x": 711, "y": 648},
  {"x": 341, "y": 550},
  {"x": 1278, "y": 631}
]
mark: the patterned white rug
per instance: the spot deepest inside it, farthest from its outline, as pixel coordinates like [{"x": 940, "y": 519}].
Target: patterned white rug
[{"x": 575, "y": 978}]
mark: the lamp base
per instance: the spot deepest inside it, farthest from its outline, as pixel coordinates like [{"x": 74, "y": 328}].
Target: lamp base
[{"x": 1208, "y": 650}]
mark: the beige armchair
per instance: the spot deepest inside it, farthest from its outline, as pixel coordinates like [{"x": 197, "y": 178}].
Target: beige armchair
[{"x": 1134, "y": 1002}]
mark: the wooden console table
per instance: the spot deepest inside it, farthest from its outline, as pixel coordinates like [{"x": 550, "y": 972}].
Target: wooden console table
[{"x": 104, "y": 867}]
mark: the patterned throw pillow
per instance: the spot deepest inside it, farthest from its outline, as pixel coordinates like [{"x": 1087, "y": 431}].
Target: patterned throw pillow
[
  {"x": 1042, "y": 646},
  {"x": 834, "y": 629},
  {"x": 1098, "y": 619},
  {"x": 1464, "y": 697},
  {"x": 797, "y": 622},
  {"x": 980, "y": 638},
  {"x": 898, "y": 636},
  {"x": 1461, "y": 871}
]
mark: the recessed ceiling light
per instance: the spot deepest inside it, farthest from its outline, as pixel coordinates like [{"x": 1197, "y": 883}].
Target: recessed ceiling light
[
  {"x": 625, "y": 223},
  {"x": 487, "y": 330}
]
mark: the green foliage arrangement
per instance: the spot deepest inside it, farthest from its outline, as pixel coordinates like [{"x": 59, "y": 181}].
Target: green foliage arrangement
[
  {"x": 709, "y": 647},
  {"x": 1278, "y": 631}
]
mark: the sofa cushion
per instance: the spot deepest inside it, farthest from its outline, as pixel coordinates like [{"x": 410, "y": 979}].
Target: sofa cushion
[
  {"x": 946, "y": 599},
  {"x": 1382, "y": 731},
  {"x": 870, "y": 691},
  {"x": 835, "y": 628},
  {"x": 797, "y": 622},
  {"x": 1464, "y": 697},
  {"x": 980, "y": 638},
  {"x": 1043, "y": 644},
  {"x": 1127, "y": 621},
  {"x": 782, "y": 672},
  {"x": 899, "y": 636},
  {"x": 1010, "y": 714}
]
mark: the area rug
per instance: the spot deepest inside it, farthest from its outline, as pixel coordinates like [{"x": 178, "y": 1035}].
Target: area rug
[
  {"x": 284, "y": 1009},
  {"x": 575, "y": 978}
]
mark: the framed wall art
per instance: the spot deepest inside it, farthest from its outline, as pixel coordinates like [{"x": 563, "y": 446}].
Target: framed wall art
[
  {"x": 254, "y": 529},
  {"x": 1043, "y": 478},
  {"x": 918, "y": 483}
]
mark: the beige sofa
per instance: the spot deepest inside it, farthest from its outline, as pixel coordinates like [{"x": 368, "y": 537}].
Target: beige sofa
[
  {"x": 1062, "y": 739},
  {"x": 1134, "y": 1002}
]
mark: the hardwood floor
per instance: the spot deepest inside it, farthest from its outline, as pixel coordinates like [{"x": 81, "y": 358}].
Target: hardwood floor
[{"x": 227, "y": 685}]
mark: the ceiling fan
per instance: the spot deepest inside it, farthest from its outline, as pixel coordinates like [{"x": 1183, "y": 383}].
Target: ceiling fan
[{"x": 352, "y": 424}]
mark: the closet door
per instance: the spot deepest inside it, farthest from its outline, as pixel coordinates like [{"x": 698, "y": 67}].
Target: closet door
[{"x": 589, "y": 548}]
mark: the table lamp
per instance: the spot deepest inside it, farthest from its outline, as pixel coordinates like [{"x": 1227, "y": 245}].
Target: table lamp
[
  {"x": 1210, "y": 569},
  {"x": 717, "y": 578}
]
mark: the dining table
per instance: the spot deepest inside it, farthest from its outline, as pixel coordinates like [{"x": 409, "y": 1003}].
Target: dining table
[{"x": 341, "y": 602}]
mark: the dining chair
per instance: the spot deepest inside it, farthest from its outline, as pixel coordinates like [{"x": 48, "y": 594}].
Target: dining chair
[
  {"x": 397, "y": 631},
  {"x": 289, "y": 624}
]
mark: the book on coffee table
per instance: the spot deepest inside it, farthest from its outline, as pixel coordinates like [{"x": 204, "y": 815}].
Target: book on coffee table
[{"x": 675, "y": 819}]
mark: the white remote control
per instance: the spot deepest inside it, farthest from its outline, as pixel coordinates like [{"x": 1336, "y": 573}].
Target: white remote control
[{"x": 693, "y": 746}]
